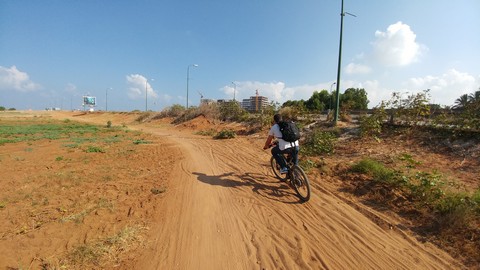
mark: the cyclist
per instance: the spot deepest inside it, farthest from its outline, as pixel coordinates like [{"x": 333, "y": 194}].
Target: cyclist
[{"x": 282, "y": 147}]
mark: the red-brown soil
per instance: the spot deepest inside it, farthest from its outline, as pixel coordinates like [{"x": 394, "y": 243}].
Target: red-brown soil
[{"x": 192, "y": 202}]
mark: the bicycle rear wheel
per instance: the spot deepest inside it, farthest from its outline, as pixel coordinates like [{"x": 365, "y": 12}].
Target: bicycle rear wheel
[
  {"x": 276, "y": 169},
  {"x": 300, "y": 183}
]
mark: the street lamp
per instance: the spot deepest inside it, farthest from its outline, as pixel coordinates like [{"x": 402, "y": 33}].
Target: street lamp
[
  {"x": 188, "y": 77},
  {"x": 331, "y": 95},
  {"x": 106, "y": 98},
  {"x": 234, "y": 90},
  {"x": 337, "y": 105}
]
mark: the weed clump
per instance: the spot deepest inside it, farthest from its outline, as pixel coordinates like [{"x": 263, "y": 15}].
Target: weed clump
[{"x": 225, "y": 134}]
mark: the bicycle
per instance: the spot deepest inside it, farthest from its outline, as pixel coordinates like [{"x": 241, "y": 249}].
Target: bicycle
[{"x": 295, "y": 176}]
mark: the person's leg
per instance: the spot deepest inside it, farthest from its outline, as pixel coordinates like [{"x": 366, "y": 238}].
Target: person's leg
[
  {"x": 295, "y": 154},
  {"x": 277, "y": 154}
]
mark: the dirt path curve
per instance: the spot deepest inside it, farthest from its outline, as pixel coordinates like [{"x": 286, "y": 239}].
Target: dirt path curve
[{"x": 224, "y": 210}]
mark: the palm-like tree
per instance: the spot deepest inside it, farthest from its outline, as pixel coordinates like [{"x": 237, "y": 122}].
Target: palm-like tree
[
  {"x": 462, "y": 101},
  {"x": 474, "y": 97}
]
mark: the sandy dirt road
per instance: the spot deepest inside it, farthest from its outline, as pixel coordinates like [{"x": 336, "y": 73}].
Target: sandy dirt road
[{"x": 225, "y": 210}]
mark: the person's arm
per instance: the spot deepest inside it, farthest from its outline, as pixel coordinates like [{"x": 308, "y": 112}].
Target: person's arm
[{"x": 268, "y": 142}]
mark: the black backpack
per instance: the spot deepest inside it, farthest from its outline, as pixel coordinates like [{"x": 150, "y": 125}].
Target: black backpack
[{"x": 290, "y": 132}]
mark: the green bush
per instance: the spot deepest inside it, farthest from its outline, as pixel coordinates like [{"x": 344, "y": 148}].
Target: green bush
[
  {"x": 231, "y": 111},
  {"x": 225, "y": 134},
  {"x": 452, "y": 202},
  {"x": 371, "y": 126},
  {"x": 455, "y": 210},
  {"x": 319, "y": 142},
  {"x": 427, "y": 187},
  {"x": 291, "y": 113}
]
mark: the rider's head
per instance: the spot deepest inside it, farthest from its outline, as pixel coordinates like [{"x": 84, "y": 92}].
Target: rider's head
[{"x": 277, "y": 118}]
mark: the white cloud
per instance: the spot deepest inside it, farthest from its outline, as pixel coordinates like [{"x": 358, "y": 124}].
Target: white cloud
[
  {"x": 353, "y": 68},
  {"x": 397, "y": 46},
  {"x": 136, "y": 87},
  {"x": 13, "y": 79},
  {"x": 275, "y": 91},
  {"x": 446, "y": 88}
]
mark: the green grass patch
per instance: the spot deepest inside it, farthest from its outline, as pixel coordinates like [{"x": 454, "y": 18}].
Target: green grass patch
[
  {"x": 94, "y": 149},
  {"x": 26, "y": 131},
  {"x": 141, "y": 141},
  {"x": 225, "y": 134},
  {"x": 376, "y": 170}
]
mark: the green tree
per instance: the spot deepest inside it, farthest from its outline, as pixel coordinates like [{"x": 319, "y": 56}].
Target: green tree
[
  {"x": 2, "y": 108},
  {"x": 462, "y": 101},
  {"x": 231, "y": 111},
  {"x": 318, "y": 101},
  {"x": 474, "y": 97},
  {"x": 299, "y": 104},
  {"x": 354, "y": 99}
]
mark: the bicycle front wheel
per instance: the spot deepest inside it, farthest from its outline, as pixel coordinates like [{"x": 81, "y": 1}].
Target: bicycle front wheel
[{"x": 300, "y": 183}]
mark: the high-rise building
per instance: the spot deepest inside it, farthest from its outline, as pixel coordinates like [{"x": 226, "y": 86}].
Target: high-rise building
[{"x": 254, "y": 103}]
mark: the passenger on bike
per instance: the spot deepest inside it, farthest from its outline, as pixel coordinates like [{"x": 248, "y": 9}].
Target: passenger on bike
[{"x": 282, "y": 147}]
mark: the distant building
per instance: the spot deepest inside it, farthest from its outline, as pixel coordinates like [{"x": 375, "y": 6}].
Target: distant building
[
  {"x": 206, "y": 101},
  {"x": 254, "y": 103}
]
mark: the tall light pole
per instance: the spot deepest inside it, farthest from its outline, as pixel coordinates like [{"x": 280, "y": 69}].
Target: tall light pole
[
  {"x": 337, "y": 105},
  {"x": 331, "y": 95},
  {"x": 106, "y": 98},
  {"x": 234, "y": 90},
  {"x": 188, "y": 77}
]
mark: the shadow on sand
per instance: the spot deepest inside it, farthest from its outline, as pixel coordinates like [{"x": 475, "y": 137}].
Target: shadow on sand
[{"x": 266, "y": 186}]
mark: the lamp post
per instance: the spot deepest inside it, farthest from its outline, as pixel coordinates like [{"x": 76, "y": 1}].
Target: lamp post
[
  {"x": 331, "y": 95},
  {"x": 188, "y": 77},
  {"x": 337, "y": 102},
  {"x": 106, "y": 98},
  {"x": 234, "y": 90}
]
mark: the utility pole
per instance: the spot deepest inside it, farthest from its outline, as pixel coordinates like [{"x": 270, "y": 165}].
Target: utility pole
[{"x": 337, "y": 102}]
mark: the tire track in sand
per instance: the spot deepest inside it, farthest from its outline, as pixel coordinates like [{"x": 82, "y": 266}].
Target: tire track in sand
[{"x": 228, "y": 212}]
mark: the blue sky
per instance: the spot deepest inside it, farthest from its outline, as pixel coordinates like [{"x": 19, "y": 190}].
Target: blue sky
[{"x": 54, "y": 52}]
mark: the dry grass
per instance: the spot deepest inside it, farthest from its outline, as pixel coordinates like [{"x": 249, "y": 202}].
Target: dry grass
[{"x": 102, "y": 254}]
